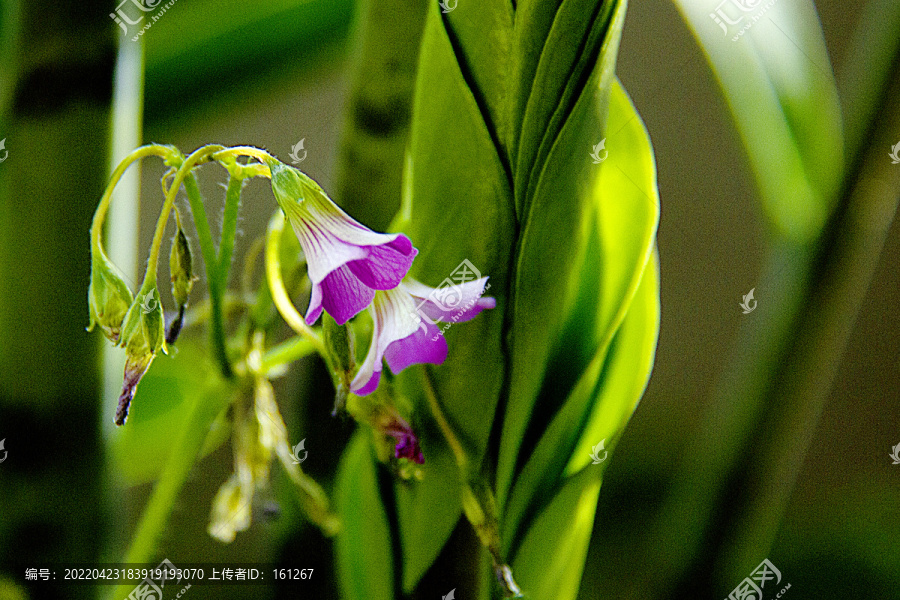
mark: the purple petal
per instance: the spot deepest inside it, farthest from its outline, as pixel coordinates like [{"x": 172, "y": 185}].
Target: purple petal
[
  {"x": 385, "y": 265},
  {"x": 393, "y": 318},
  {"x": 371, "y": 385},
  {"x": 426, "y": 345},
  {"x": 460, "y": 300},
  {"x": 341, "y": 294},
  {"x": 315, "y": 305}
]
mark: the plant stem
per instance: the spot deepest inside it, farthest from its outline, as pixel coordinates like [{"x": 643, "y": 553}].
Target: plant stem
[
  {"x": 229, "y": 226},
  {"x": 211, "y": 263},
  {"x": 279, "y": 292},
  {"x": 478, "y": 500},
  {"x": 196, "y": 157},
  {"x": 286, "y": 352},
  {"x": 165, "y": 152}
]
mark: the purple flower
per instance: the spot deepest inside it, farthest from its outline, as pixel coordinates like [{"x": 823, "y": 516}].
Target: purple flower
[
  {"x": 405, "y": 332},
  {"x": 346, "y": 261}
]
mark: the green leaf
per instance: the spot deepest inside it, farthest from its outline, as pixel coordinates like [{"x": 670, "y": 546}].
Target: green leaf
[
  {"x": 598, "y": 409},
  {"x": 552, "y": 239},
  {"x": 483, "y": 32},
  {"x": 363, "y": 549},
  {"x": 614, "y": 263},
  {"x": 462, "y": 210},
  {"x": 551, "y": 559},
  {"x": 777, "y": 79},
  {"x": 141, "y": 447},
  {"x": 578, "y": 53}
]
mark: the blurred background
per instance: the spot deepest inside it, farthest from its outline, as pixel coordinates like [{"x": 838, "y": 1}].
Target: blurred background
[{"x": 274, "y": 73}]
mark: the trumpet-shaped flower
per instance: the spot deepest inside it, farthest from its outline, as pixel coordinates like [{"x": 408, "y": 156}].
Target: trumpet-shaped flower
[
  {"x": 346, "y": 261},
  {"x": 405, "y": 332}
]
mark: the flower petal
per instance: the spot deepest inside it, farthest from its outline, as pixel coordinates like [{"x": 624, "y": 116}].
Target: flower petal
[
  {"x": 385, "y": 266},
  {"x": 426, "y": 345},
  {"x": 460, "y": 300},
  {"x": 394, "y": 318},
  {"x": 341, "y": 294}
]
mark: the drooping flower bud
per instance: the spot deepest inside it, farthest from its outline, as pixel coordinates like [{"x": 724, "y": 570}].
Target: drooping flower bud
[
  {"x": 182, "y": 280},
  {"x": 108, "y": 296},
  {"x": 143, "y": 335},
  {"x": 180, "y": 268}
]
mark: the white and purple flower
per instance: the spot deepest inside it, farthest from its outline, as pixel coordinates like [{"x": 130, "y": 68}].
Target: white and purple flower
[
  {"x": 405, "y": 332},
  {"x": 346, "y": 261}
]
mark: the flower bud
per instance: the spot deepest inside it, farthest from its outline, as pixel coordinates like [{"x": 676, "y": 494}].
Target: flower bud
[
  {"x": 143, "y": 335},
  {"x": 182, "y": 280},
  {"x": 108, "y": 296},
  {"x": 180, "y": 268},
  {"x": 393, "y": 432}
]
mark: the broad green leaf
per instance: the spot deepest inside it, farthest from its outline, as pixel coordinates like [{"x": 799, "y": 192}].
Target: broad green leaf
[
  {"x": 581, "y": 46},
  {"x": 552, "y": 237},
  {"x": 776, "y": 77},
  {"x": 550, "y": 562},
  {"x": 364, "y": 549},
  {"x": 625, "y": 377},
  {"x": 484, "y": 33},
  {"x": 622, "y": 230},
  {"x": 461, "y": 210},
  {"x": 597, "y": 409},
  {"x": 141, "y": 447}
]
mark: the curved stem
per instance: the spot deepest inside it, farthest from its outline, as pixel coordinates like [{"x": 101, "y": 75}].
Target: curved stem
[
  {"x": 462, "y": 460},
  {"x": 164, "y": 152},
  {"x": 276, "y": 285},
  {"x": 478, "y": 500},
  {"x": 195, "y": 158},
  {"x": 257, "y": 153}
]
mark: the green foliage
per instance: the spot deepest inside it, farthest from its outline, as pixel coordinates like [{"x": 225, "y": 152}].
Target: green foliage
[{"x": 500, "y": 174}]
